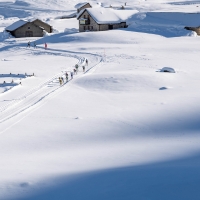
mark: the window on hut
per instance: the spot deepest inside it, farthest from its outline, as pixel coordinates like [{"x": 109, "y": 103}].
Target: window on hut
[{"x": 84, "y": 21}]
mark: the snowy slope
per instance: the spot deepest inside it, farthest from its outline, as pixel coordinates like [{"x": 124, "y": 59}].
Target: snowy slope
[{"x": 120, "y": 130}]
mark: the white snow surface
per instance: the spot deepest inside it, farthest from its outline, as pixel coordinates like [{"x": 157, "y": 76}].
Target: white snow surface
[{"x": 122, "y": 129}]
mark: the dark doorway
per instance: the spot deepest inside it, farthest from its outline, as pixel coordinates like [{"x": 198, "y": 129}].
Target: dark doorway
[
  {"x": 29, "y": 34},
  {"x": 110, "y": 26}
]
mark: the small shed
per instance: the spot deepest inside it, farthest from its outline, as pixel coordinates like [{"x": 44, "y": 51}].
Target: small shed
[
  {"x": 81, "y": 6},
  {"x": 167, "y": 69},
  {"x": 100, "y": 19}
]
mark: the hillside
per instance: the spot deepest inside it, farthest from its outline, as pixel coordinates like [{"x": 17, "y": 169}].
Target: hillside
[{"x": 122, "y": 129}]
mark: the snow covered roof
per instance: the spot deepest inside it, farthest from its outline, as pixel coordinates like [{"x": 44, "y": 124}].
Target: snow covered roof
[
  {"x": 16, "y": 25},
  {"x": 103, "y": 15},
  {"x": 80, "y": 5}
]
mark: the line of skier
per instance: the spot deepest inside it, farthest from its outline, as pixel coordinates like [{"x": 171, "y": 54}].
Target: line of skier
[
  {"x": 72, "y": 73},
  {"x": 61, "y": 79},
  {"x": 35, "y": 45}
]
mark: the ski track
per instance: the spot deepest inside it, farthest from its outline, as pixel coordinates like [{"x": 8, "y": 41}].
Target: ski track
[{"x": 39, "y": 93}]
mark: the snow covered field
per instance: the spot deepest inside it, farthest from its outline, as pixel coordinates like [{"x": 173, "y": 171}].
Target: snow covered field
[{"x": 121, "y": 130}]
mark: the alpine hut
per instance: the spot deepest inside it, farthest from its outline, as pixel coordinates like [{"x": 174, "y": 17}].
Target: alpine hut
[
  {"x": 100, "y": 19},
  {"x": 33, "y": 28}
]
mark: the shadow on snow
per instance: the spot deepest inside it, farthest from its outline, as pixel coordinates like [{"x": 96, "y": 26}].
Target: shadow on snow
[
  {"x": 176, "y": 179},
  {"x": 167, "y": 24}
]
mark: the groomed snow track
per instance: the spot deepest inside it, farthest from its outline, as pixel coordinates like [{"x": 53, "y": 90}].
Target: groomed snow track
[{"x": 41, "y": 92}]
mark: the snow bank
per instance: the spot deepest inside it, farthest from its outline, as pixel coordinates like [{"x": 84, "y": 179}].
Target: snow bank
[
  {"x": 71, "y": 30},
  {"x": 192, "y": 34},
  {"x": 4, "y": 35},
  {"x": 168, "y": 24}
]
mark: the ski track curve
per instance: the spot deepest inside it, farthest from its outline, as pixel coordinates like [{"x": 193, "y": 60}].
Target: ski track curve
[{"x": 42, "y": 91}]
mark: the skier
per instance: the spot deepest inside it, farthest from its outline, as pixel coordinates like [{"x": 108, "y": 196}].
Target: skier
[
  {"x": 86, "y": 61},
  {"x": 60, "y": 81},
  {"x": 76, "y": 66},
  {"x": 45, "y": 46},
  {"x": 29, "y": 44},
  {"x": 71, "y": 73},
  {"x": 35, "y": 46},
  {"x": 66, "y": 75},
  {"x": 83, "y": 68}
]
